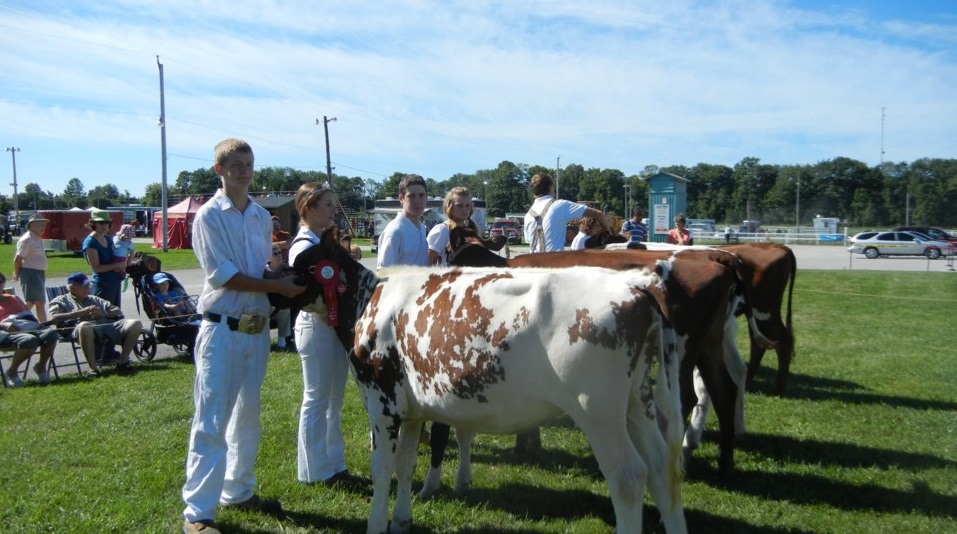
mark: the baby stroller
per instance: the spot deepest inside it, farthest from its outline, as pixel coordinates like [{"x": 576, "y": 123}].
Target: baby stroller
[{"x": 176, "y": 328}]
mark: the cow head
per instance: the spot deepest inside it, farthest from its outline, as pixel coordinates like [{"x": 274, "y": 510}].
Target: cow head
[
  {"x": 470, "y": 250},
  {"x": 328, "y": 265},
  {"x": 603, "y": 239}
]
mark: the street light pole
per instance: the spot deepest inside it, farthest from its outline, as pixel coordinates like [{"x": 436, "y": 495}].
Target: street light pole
[{"x": 16, "y": 198}]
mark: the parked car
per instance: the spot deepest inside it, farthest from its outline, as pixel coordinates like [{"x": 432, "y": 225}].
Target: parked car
[
  {"x": 510, "y": 228},
  {"x": 934, "y": 232},
  {"x": 876, "y": 244}
]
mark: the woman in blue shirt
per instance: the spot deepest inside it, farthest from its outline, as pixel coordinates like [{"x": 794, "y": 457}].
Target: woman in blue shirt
[{"x": 98, "y": 249}]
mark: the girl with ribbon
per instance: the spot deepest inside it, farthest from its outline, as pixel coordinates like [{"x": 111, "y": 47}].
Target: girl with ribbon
[{"x": 321, "y": 456}]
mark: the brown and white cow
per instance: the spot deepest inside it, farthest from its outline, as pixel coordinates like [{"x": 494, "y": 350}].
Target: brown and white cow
[
  {"x": 498, "y": 351},
  {"x": 701, "y": 292}
]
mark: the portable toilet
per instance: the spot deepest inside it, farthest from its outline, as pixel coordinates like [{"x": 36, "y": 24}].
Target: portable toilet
[
  {"x": 667, "y": 197},
  {"x": 826, "y": 225}
]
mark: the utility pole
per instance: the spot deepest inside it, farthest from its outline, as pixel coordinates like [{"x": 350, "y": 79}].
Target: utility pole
[
  {"x": 325, "y": 126},
  {"x": 882, "y": 134},
  {"x": 558, "y": 173},
  {"x": 797, "y": 207},
  {"x": 162, "y": 125},
  {"x": 627, "y": 214},
  {"x": 16, "y": 198}
]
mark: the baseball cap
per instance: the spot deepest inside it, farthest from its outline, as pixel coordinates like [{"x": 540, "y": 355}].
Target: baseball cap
[
  {"x": 78, "y": 279},
  {"x": 100, "y": 216},
  {"x": 159, "y": 278}
]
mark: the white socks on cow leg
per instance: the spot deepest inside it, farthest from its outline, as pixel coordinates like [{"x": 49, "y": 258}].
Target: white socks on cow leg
[
  {"x": 698, "y": 416},
  {"x": 432, "y": 484}
]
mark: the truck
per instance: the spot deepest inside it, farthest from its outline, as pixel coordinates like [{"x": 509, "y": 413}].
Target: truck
[{"x": 68, "y": 228}]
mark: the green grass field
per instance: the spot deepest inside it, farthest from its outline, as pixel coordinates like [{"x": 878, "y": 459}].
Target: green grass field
[{"x": 864, "y": 441}]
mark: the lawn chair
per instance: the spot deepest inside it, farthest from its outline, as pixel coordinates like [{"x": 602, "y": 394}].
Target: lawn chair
[{"x": 105, "y": 353}]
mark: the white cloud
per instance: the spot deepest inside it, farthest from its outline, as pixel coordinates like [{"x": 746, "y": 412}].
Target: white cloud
[{"x": 441, "y": 88}]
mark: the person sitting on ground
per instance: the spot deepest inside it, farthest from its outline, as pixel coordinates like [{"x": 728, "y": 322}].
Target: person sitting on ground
[
  {"x": 20, "y": 330},
  {"x": 98, "y": 322},
  {"x": 174, "y": 300}
]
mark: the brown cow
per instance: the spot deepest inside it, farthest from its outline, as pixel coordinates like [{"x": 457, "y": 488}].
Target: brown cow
[
  {"x": 696, "y": 299},
  {"x": 774, "y": 267}
]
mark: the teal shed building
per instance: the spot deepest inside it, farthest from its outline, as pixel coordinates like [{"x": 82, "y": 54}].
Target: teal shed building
[{"x": 667, "y": 197}]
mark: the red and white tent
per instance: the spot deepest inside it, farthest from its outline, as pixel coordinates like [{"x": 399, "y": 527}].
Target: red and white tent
[{"x": 179, "y": 227}]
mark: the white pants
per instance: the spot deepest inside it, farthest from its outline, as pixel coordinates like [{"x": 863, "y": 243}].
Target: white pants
[
  {"x": 224, "y": 438},
  {"x": 324, "y": 372}
]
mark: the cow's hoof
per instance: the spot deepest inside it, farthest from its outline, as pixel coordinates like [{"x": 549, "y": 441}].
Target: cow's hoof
[
  {"x": 463, "y": 487},
  {"x": 400, "y": 527}
]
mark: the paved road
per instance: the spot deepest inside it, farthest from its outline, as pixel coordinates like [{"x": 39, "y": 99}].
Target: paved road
[{"x": 808, "y": 257}]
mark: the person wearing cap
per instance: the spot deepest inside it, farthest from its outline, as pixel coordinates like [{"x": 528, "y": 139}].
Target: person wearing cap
[
  {"x": 232, "y": 239},
  {"x": 30, "y": 266},
  {"x": 98, "y": 321},
  {"x": 22, "y": 332},
  {"x": 174, "y": 301},
  {"x": 98, "y": 249}
]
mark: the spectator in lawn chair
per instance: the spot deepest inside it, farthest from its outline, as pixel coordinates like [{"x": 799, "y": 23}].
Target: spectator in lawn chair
[
  {"x": 97, "y": 321},
  {"x": 20, "y": 331}
]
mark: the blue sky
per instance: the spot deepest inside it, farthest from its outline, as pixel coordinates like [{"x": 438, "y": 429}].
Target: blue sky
[{"x": 443, "y": 87}]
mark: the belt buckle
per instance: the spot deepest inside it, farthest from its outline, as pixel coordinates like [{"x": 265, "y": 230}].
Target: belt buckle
[{"x": 251, "y": 324}]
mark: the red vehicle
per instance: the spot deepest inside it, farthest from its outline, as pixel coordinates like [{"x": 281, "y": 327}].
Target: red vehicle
[
  {"x": 510, "y": 228},
  {"x": 68, "y": 228}
]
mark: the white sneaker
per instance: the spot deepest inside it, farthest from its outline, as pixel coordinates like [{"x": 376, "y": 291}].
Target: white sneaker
[
  {"x": 42, "y": 374},
  {"x": 14, "y": 381}
]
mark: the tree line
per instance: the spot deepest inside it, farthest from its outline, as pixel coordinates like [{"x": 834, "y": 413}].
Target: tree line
[{"x": 921, "y": 192}]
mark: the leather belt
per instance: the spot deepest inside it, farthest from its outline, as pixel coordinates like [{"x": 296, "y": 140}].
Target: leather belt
[{"x": 231, "y": 322}]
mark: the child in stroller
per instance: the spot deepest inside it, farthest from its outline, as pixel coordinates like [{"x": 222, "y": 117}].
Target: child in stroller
[
  {"x": 173, "y": 312},
  {"x": 174, "y": 300}
]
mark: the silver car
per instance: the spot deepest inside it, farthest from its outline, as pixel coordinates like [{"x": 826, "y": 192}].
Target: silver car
[{"x": 876, "y": 244}]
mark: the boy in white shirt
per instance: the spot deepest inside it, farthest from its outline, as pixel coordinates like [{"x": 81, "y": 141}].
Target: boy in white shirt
[{"x": 403, "y": 241}]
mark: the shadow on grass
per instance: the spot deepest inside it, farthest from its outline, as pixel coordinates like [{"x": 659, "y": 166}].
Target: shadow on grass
[
  {"x": 785, "y": 449},
  {"x": 806, "y": 387},
  {"x": 803, "y": 489}
]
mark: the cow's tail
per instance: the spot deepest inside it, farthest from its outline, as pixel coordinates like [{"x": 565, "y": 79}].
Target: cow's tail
[
  {"x": 667, "y": 399},
  {"x": 788, "y": 324}
]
